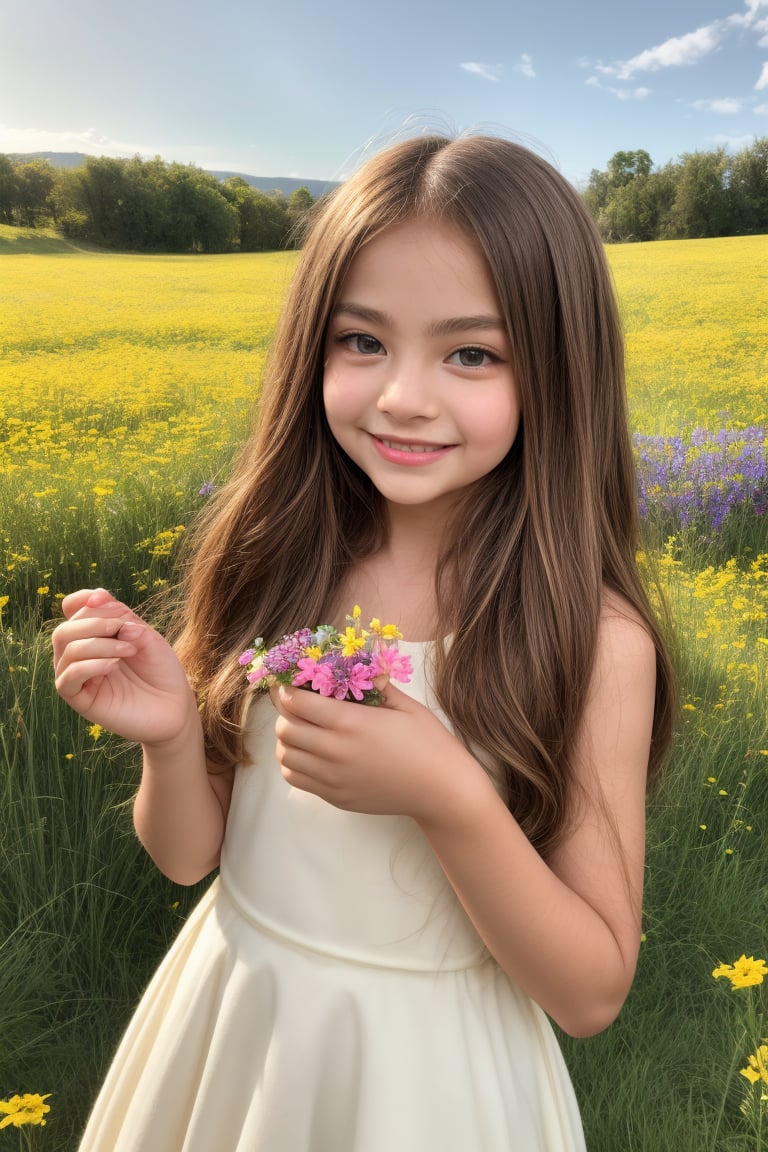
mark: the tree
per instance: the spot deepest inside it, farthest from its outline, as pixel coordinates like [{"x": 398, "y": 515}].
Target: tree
[
  {"x": 34, "y": 182},
  {"x": 621, "y": 198},
  {"x": 299, "y": 208},
  {"x": 263, "y": 221},
  {"x": 8, "y": 191},
  {"x": 199, "y": 217},
  {"x": 701, "y": 202},
  {"x": 748, "y": 188},
  {"x": 623, "y": 167}
]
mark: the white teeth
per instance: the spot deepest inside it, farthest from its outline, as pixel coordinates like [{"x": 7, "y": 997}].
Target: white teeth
[{"x": 411, "y": 447}]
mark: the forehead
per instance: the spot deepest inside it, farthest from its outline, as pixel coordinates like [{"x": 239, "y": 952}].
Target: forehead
[{"x": 420, "y": 257}]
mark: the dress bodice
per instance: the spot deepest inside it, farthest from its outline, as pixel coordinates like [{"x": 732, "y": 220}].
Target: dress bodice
[{"x": 363, "y": 888}]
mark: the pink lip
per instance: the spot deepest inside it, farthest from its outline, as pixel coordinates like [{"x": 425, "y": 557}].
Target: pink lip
[{"x": 430, "y": 454}]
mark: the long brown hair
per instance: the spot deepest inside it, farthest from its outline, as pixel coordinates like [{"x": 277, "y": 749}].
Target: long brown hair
[{"x": 521, "y": 585}]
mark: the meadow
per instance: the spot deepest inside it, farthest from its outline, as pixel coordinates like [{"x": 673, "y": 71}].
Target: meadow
[{"x": 126, "y": 384}]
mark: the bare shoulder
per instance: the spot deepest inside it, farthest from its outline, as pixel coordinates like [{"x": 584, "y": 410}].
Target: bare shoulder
[{"x": 623, "y": 639}]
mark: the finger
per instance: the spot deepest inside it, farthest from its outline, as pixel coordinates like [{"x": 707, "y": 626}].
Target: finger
[
  {"x": 301, "y": 736},
  {"x": 84, "y": 628},
  {"x": 76, "y": 600},
  {"x": 71, "y": 682},
  {"x": 399, "y": 701},
  {"x": 325, "y": 711},
  {"x": 93, "y": 648}
]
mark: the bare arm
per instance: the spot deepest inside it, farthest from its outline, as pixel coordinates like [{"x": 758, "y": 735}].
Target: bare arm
[
  {"x": 117, "y": 671},
  {"x": 567, "y": 931},
  {"x": 180, "y": 810}
]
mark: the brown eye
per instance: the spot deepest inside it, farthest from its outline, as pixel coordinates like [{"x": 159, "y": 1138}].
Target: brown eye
[
  {"x": 365, "y": 345},
  {"x": 472, "y": 357}
]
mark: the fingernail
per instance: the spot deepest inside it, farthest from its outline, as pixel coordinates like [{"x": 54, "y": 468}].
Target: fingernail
[{"x": 129, "y": 631}]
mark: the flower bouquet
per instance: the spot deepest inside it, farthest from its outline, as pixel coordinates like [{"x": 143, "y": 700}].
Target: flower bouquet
[{"x": 355, "y": 664}]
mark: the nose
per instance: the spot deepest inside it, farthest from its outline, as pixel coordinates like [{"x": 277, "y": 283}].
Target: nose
[{"x": 408, "y": 393}]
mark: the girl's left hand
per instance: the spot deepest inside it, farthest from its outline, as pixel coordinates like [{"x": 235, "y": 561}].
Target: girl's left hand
[{"x": 394, "y": 759}]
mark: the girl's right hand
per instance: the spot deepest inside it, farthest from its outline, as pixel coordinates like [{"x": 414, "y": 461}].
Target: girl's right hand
[{"x": 119, "y": 672}]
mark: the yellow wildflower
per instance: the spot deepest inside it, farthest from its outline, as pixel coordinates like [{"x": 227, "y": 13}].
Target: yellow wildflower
[
  {"x": 313, "y": 652},
  {"x": 43, "y": 590},
  {"x": 744, "y": 972},
  {"x": 27, "y": 1109},
  {"x": 95, "y": 731},
  {"x": 757, "y": 1069},
  {"x": 351, "y": 642},
  {"x": 385, "y": 631}
]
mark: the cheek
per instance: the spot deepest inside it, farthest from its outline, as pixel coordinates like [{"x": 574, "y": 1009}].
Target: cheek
[{"x": 493, "y": 423}]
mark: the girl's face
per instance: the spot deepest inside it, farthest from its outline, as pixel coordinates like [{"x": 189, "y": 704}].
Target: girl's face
[{"x": 418, "y": 386}]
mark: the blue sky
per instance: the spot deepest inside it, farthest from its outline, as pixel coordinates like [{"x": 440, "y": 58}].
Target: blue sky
[{"x": 293, "y": 88}]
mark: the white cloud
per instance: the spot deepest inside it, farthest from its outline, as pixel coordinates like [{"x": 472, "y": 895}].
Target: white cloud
[
  {"x": 727, "y": 106},
  {"x": 755, "y": 18},
  {"x": 620, "y": 93},
  {"x": 690, "y": 48},
  {"x": 677, "y": 51},
  {"x": 631, "y": 93},
  {"x": 735, "y": 142},
  {"x": 41, "y": 140},
  {"x": 487, "y": 71},
  {"x": 761, "y": 109},
  {"x": 525, "y": 66}
]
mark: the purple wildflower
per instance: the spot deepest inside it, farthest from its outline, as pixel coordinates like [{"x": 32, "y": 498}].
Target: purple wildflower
[{"x": 287, "y": 653}]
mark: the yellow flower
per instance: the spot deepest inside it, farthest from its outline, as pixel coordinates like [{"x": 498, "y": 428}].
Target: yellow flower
[
  {"x": 27, "y": 1109},
  {"x": 744, "y": 972},
  {"x": 351, "y": 642},
  {"x": 703, "y": 827},
  {"x": 95, "y": 731},
  {"x": 385, "y": 631},
  {"x": 43, "y": 590},
  {"x": 313, "y": 652},
  {"x": 757, "y": 1069},
  {"x": 69, "y": 755},
  {"x": 689, "y": 707},
  {"x": 3, "y": 601}
]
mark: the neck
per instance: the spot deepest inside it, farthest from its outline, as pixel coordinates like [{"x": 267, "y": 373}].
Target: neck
[{"x": 397, "y": 583}]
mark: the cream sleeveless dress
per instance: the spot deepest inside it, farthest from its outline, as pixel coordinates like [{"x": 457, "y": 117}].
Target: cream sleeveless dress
[{"x": 329, "y": 994}]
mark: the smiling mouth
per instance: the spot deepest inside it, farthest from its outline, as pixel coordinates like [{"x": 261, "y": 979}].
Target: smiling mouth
[{"x": 403, "y": 446}]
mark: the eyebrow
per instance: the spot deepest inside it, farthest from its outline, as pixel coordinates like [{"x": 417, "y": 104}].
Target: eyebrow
[{"x": 436, "y": 328}]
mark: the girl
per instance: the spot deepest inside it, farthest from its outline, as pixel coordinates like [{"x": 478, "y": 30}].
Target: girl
[{"x": 404, "y": 891}]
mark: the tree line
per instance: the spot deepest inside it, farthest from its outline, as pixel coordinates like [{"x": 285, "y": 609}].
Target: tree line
[
  {"x": 150, "y": 206},
  {"x": 700, "y": 194},
  {"x": 153, "y": 206}
]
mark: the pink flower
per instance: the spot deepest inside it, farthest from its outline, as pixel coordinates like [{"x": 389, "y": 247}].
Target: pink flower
[
  {"x": 247, "y": 657},
  {"x": 308, "y": 668},
  {"x": 255, "y": 675},
  {"x": 389, "y": 662},
  {"x": 360, "y": 680},
  {"x": 324, "y": 681}
]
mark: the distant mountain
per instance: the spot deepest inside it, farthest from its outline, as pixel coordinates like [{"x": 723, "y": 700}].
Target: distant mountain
[{"x": 284, "y": 184}]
